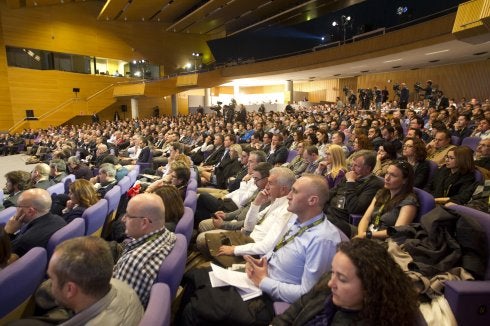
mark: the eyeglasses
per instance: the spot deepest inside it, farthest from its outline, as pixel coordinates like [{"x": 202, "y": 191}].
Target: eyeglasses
[{"x": 126, "y": 215}]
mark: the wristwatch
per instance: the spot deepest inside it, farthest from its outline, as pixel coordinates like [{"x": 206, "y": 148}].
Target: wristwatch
[{"x": 369, "y": 234}]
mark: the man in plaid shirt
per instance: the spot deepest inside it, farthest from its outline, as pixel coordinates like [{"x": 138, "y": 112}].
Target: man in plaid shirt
[{"x": 150, "y": 244}]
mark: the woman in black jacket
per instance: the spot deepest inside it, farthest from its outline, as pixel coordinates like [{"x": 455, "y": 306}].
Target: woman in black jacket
[{"x": 455, "y": 181}]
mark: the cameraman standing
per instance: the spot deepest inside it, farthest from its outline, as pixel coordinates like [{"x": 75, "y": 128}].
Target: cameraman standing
[{"x": 404, "y": 97}]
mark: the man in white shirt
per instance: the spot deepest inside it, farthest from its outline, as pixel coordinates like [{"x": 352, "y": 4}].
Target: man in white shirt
[{"x": 269, "y": 225}]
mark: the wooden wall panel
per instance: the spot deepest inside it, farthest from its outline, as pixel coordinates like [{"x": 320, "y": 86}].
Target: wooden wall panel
[
  {"x": 468, "y": 79},
  {"x": 73, "y": 28},
  {"x": 5, "y": 106},
  {"x": 320, "y": 90},
  {"x": 262, "y": 89}
]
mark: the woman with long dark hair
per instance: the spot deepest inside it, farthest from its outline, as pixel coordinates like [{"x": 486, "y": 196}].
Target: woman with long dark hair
[{"x": 395, "y": 204}]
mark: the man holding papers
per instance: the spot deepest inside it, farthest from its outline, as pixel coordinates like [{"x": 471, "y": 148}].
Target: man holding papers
[{"x": 285, "y": 273}]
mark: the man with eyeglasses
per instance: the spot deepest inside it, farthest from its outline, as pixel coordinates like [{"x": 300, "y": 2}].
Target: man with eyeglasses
[
  {"x": 150, "y": 244},
  {"x": 33, "y": 224}
]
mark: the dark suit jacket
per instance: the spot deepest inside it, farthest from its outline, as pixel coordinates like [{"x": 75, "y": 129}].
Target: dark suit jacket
[
  {"x": 44, "y": 184},
  {"x": 144, "y": 156},
  {"x": 226, "y": 170},
  {"x": 215, "y": 156},
  {"x": 279, "y": 156},
  {"x": 82, "y": 172},
  {"x": 421, "y": 174},
  {"x": 357, "y": 197}
]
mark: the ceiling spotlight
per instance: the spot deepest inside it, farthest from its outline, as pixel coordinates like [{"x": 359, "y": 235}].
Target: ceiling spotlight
[
  {"x": 347, "y": 18},
  {"x": 334, "y": 23},
  {"x": 188, "y": 65},
  {"x": 323, "y": 38}
]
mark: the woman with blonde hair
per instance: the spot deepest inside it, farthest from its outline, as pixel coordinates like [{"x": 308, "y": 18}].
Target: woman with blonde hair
[
  {"x": 334, "y": 166},
  {"x": 174, "y": 205}
]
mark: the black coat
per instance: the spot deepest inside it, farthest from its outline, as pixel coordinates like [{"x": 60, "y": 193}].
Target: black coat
[{"x": 458, "y": 187}]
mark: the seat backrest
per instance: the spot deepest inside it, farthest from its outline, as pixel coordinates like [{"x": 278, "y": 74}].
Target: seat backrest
[
  {"x": 192, "y": 185},
  {"x": 125, "y": 184},
  {"x": 484, "y": 219},
  {"x": 185, "y": 226},
  {"x": 94, "y": 217},
  {"x": 291, "y": 155},
  {"x": 113, "y": 197},
  {"x": 432, "y": 169},
  {"x": 18, "y": 281},
  {"x": 479, "y": 176},
  {"x": 172, "y": 269},
  {"x": 67, "y": 181},
  {"x": 133, "y": 175},
  {"x": 158, "y": 311},
  {"x": 191, "y": 200},
  {"x": 455, "y": 140},
  {"x": 471, "y": 142},
  {"x": 58, "y": 189},
  {"x": 1, "y": 196},
  {"x": 75, "y": 228},
  {"x": 6, "y": 214},
  {"x": 426, "y": 202}
]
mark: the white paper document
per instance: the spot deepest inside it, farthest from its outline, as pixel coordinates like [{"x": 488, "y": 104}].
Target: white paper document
[{"x": 223, "y": 277}]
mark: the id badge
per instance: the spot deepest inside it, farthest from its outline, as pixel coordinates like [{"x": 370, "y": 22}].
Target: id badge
[{"x": 341, "y": 202}]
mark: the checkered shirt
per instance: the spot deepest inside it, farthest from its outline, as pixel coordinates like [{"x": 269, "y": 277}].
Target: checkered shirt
[{"x": 141, "y": 260}]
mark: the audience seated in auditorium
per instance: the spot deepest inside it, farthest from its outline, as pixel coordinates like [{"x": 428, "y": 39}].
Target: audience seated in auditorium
[
  {"x": 266, "y": 227},
  {"x": 207, "y": 204},
  {"x": 235, "y": 220},
  {"x": 312, "y": 252}
]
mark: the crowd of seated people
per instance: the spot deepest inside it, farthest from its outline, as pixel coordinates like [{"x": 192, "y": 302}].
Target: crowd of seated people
[{"x": 348, "y": 162}]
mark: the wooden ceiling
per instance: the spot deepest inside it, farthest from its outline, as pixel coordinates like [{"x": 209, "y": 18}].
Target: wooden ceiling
[{"x": 220, "y": 17}]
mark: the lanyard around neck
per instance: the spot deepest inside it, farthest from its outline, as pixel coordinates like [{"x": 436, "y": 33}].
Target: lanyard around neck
[{"x": 285, "y": 241}]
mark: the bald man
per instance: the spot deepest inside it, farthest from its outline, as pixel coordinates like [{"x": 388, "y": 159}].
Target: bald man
[
  {"x": 33, "y": 208},
  {"x": 149, "y": 246}
]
